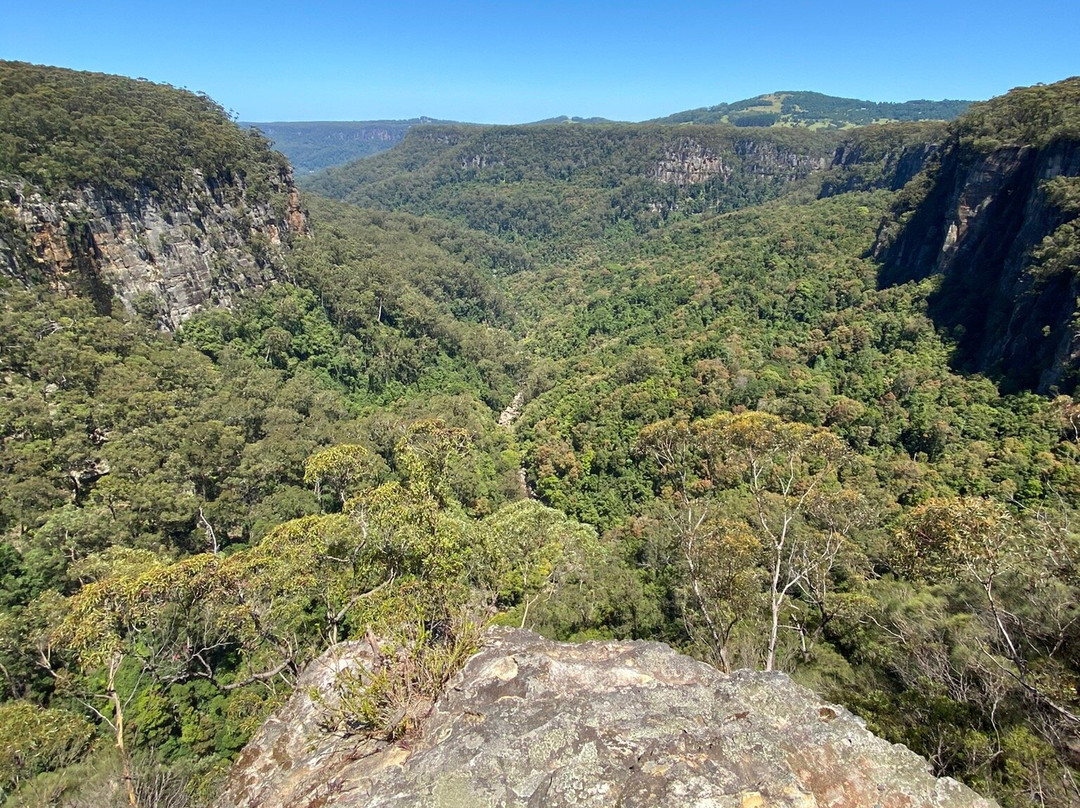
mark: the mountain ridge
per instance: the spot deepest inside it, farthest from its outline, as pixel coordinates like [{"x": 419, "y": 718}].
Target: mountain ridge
[
  {"x": 315, "y": 145},
  {"x": 817, "y": 110}
]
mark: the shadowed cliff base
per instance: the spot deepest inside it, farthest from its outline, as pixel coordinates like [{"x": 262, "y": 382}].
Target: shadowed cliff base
[{"x": 995, "y": 218}]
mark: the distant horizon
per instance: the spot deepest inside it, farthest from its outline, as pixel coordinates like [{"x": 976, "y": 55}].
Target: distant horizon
[
  {"x": 495, "y": 63},
  {"x": 433, "y": 119},
  {"x": 582, "y": 118}
]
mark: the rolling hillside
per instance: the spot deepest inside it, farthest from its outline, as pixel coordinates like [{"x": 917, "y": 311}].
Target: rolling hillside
[{"x": 817, "y": 111}]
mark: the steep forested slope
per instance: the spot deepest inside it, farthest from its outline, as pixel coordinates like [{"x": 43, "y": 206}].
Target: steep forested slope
[
  {"x": 732, "y": 368},
  {"x": 64, "y": 129},
  {"x": 134, "y": 194},
  {"x": 174, "y": 503},
  {"x": 558, "y": 189},
  {"x": 733, "y": 429},
  {"x": 685, "y": 359},
  {"x": 995, "y": 216}
]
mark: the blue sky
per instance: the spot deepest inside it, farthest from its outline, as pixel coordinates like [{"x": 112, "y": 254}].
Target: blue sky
[{"x": 505, "y": 62}]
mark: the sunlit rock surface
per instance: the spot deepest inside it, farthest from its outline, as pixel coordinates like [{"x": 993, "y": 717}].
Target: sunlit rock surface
[
  {"x": 530, "y": 722},
  {"x": 165, "y": 258}
]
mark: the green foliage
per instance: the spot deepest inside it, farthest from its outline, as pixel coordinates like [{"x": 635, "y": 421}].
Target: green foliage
[
  {"x": 816, "y": 110},
  {"x": 536, "y": 551},
  {"x": 35, "y": 739},
  {"x": 401, "y": 561},
  {"x": 389, "y": 699},
  {"x": 943, "y": 537},
  {"x": 344, "y": 468},
  {"x": 554, "y": 190},
  {"x": 1025, "y": 116},
  {"x": 113, "y": 435},
  {"x": 64, "y": 129},
  {"x": 885, "y": 156},
  {"x": 727, "y": 433},
  {"x": 389, "y": 305},
  {"x": 1059, "y": 252}
]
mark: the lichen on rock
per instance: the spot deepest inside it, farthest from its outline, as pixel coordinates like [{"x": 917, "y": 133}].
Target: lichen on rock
[{"x": 530, "y": 722}]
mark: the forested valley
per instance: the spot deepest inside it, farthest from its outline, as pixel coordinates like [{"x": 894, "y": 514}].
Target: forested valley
[{"x": 698, "y": 383}]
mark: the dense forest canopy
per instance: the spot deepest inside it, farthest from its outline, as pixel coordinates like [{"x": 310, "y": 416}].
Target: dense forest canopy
[
  {"x": 601, "y": 381},
  {"x": 64, "y": 129},
  {"x": 1027, "y": 116},
  {"x": 555, "y": 189}
]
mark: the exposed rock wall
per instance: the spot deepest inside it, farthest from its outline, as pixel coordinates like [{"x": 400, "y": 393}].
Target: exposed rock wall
[
  {"x": 530, "y": 722},
  {"x": 167, "y": 257},
  {"x": 858, "y": 168},
  {"x": 980, "y": 219},
  {"x": 690, "y": 162},
  {"x": 766, "y": 159}
]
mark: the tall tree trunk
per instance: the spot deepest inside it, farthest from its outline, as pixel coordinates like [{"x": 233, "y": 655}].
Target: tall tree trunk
[{"x": 118, "y": 710}]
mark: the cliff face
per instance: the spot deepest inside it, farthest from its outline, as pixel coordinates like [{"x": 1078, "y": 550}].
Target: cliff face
[
  {"x": 858, "y": 168},
  {"x": 690, "y": 162},
  {"x": 529, "y": 722},
  {"x": 165, "y": 257},
  {"x": 980, "y": 221}
]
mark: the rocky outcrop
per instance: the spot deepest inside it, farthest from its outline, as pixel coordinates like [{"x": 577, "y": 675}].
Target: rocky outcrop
[
  {"x": 530, "y": 722},
  {"x": 766, "y": 159},
  {"x": 978, "y": 221},
  {"x": 689, "y": 162},
  {"x": 163, "y": 257}
]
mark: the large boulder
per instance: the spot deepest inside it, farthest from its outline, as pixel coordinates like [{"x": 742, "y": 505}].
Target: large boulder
[{"x": 530, "y": 722}]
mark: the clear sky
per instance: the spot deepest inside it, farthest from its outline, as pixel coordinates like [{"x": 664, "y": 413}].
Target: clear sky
[{"x": 506, "y": 62}]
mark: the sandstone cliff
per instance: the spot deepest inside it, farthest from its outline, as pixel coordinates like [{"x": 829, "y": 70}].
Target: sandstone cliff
[
  {"x": 530, "y": 722},
  {"x": 125, "y": 190},
  {"x": 165, "y": 257},
  {"x": 984, "y": 214},
  {"x": 689, "y": 162}
]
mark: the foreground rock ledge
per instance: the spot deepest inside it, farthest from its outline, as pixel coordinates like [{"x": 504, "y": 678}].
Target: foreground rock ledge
[{"x": 530, "y": 722}]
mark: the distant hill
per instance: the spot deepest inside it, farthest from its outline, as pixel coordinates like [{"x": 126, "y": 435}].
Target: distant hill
[
  {"x": 568, "y": 119},
  {"x": 314, "y": 145},
  {"x": 817, "y": 111},
  {"x": 557, "y": 188}
]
